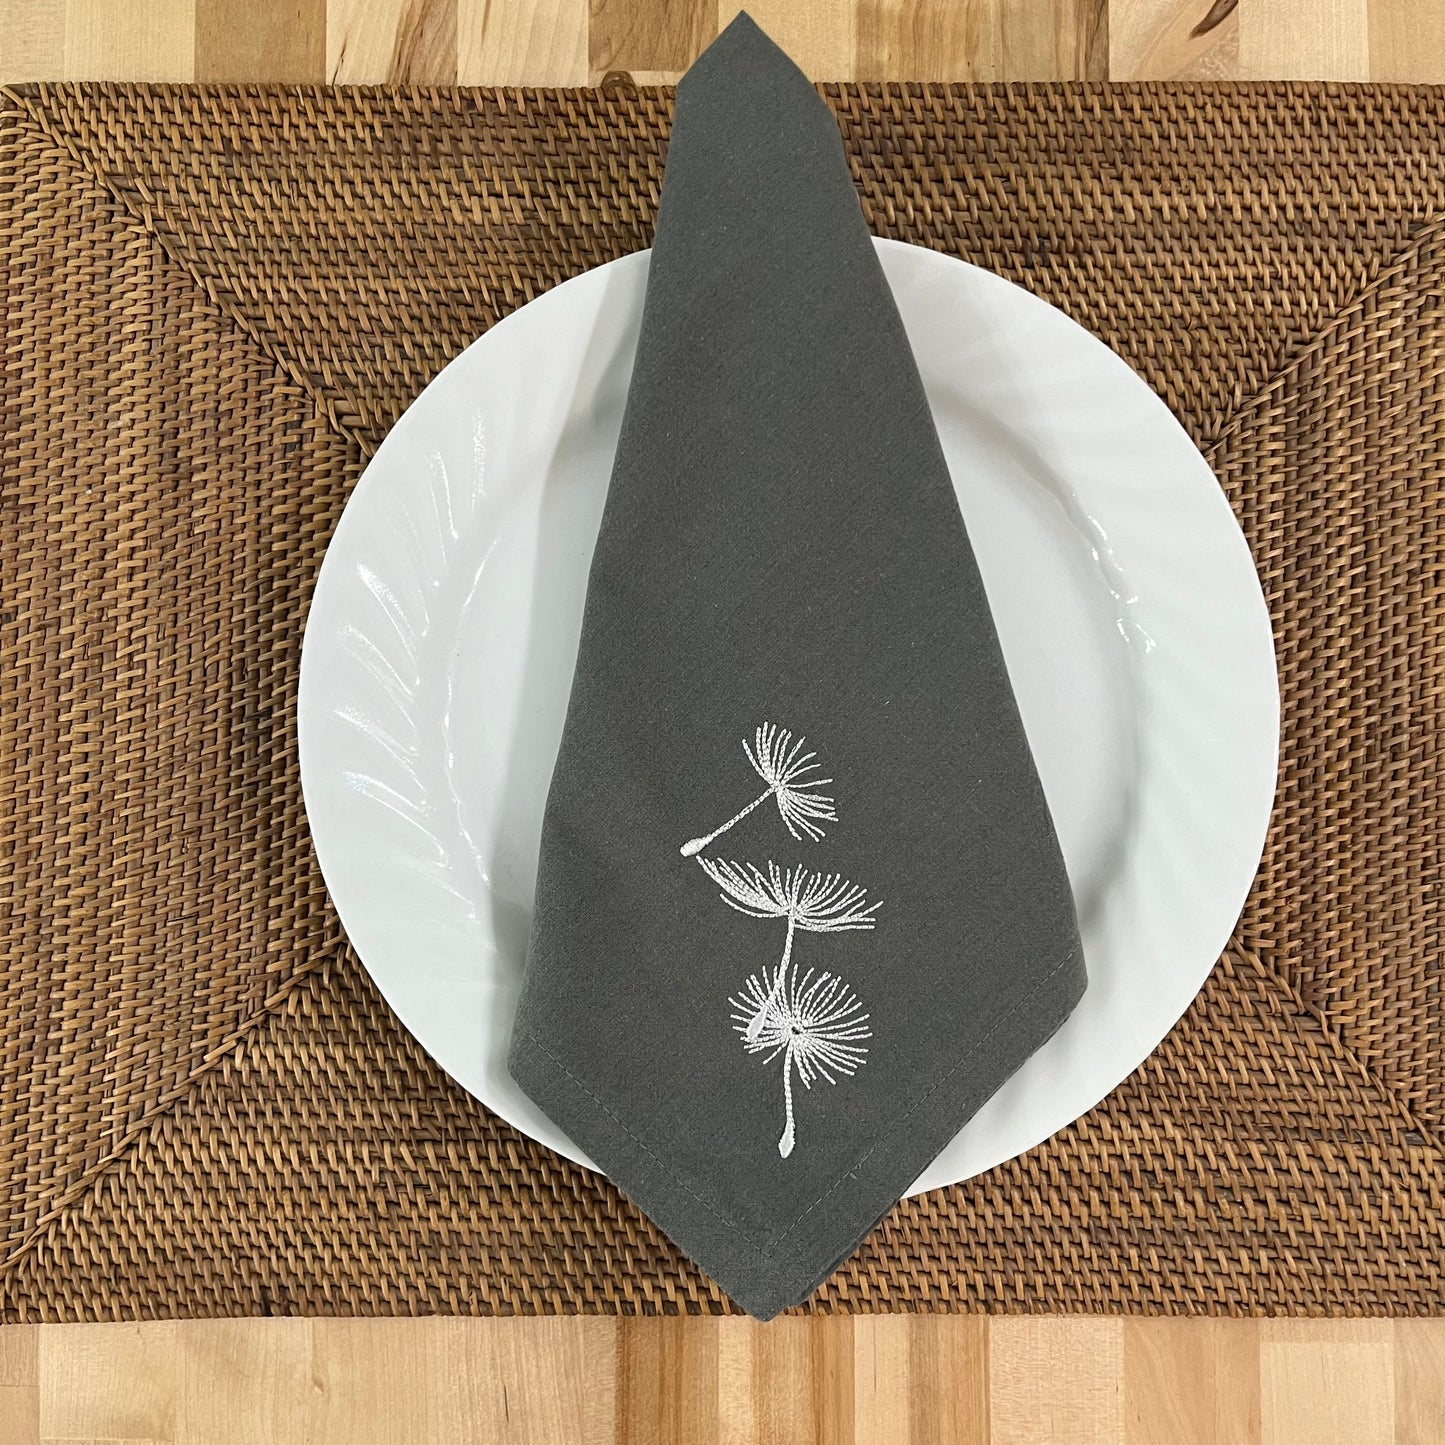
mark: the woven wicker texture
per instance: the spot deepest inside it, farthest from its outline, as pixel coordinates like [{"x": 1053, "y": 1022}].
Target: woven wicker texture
[{"x": 218, "y": 301}]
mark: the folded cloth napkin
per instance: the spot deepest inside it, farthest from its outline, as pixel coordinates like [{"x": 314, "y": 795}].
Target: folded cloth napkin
[{"x": 801, "y": 908}]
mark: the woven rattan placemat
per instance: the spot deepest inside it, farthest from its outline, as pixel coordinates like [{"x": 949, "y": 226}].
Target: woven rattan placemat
[{"x": 218, "y": 300}]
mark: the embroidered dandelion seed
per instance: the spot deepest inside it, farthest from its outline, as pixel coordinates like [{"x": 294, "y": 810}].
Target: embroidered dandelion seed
[
  {"x": 788, "y": 771},
  {"x": 814, "y": 902},
  {"x": 816, "y": 1023}
]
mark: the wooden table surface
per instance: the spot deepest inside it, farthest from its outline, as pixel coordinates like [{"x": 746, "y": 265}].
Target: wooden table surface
[
  {"x": 867, "y": 1380},
  {"x": 871, "y": 1380},
  {"x": 574, "y": 42}
]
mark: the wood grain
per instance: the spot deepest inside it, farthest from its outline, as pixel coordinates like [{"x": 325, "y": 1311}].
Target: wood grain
[
  {"x": 1320, "y": 40},
  {"x": 572, "y": 42},
  {"x": 989, "y": 40},
  {"x": 32, "y": 38},
  {"x": 928, "y": 40},
  {"x": 1330, "y": 1382},
  {"x": 883, "y": 1379},
  {"x": 1064, "y": 41},
  {"x": 1164, "y": 40},
  {"x": 108, "y": 1382},
  {"x": 1056, "y": 1380},
  {"x": 637, "y": 35},
  {"x": 19, "y": 1385},
  {"x": 400, "y": 42},
  {"x": 244, "y": 1385},
  {"x": 948, "y": 1384},
  {"x": 529, "y": 1381},
  {"x": 839, "y": 1380},
  {"x": 789, "y": 1382},
  {"x": 1419, "y": 1348},
  {"x": 128, "y": 40},
  {"x": 380, "y": 1382},
  {"x": 522, "y": 42},
  {"x": 1191, "y": 1381},
  {"x": 666, "y": 1375},
  {"x": 284, "y": 42},
  {"x": 821, "y": 35},
  {"x": 1407, "y": 40}
]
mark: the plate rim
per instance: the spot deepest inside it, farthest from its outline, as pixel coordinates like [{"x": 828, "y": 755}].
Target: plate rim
[{"x": 373, "y": 479}]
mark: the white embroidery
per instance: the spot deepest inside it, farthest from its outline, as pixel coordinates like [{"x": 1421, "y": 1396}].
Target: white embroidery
[
  {"x": 815, "y": 1023},
  {"x": 784, "y": 767},
  {"x": 814, "y": 902}
]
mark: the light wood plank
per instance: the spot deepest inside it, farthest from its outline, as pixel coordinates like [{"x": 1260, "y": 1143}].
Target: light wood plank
[
  {"x": 873, "y": 1380},
  {"x": 1236, "y": 1381},
  {"x": 375, "y": 1380},
  {"x": 1169, "y": 1383},
  {"x": 522, "y": 42},
  {"x": 736, "y": 1422},
  {"x": 32, "y": 40},
  {"x": 243, "y": 1384},
  {"x": 1306, "y": 40},
  {"x": 1091, "y": 39},
  {"x": 108, "y": 1382},
  {"x": 789, "y": 1382},
  {"x": 1067, "y": 40},
  {"x": 400, "y": 42},
  {"x": 97, "y": 1440},
  {"x": 19, "y": 1354},
  {"x": 526, "y": 1381},
  {"x": 1170, "y": 40},
  {"x": 882, "y": 1376},
  {"x": 546, "y": 41},
  {"x": 1055, "y": 1380},
  {"x": 667, "y": 1381},
  {"x": 1330, "y": 1382},
  {"x": 601, "y": 1340},
  {"x": 1407, "y": 40},
  {"x": 1191, "y": 1382},
  {"x": 920, "y": 40},
  {"x": 820, "y": 35},
  {"x": 130, "y": 40},
  {"x": 985, "y": 41},
  {"x": 19, "y": 1414},
  {"x": 1419, "y": 1348},
  {"x": 630, "y": 35},
  {"x": 19, "y": 1385},
  {"x": 948, "y": 1390},
  {"x": 276, "y": 42}
]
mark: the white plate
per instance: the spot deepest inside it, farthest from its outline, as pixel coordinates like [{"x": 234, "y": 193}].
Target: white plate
[{"x": 440, "y": 646}]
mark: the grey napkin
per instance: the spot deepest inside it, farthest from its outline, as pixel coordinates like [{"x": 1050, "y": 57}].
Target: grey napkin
[{"x": 801, "y": 909}]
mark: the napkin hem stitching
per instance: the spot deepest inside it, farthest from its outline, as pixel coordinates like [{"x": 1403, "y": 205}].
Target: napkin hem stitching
[
  {"x": 937, "y": 1084},
  {"x": 641, "y": 1143},
  {"x": 771, "y": 1248}
]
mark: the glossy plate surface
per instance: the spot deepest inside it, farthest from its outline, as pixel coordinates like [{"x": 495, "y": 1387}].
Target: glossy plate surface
[{"x": 440, "y": 646}]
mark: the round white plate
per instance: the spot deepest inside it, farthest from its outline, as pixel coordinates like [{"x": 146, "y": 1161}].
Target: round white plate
[{"x": 440, "y": 646}]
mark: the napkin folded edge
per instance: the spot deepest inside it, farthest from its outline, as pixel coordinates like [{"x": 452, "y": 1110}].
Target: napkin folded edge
[{"x": 766, "y": 1276}]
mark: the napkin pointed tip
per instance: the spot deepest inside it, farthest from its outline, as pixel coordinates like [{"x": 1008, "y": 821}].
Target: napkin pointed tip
[
  {"x": 743, "y": 43},
  {"x": 743, "y": 23}
]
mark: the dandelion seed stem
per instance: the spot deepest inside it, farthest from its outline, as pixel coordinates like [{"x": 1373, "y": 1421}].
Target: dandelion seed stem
[
  {"x": 785, "y": 1144},
  {"x": 695, "y": 846},
  {"x": 756, "y": 1026}
]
